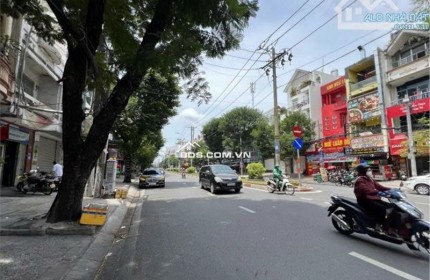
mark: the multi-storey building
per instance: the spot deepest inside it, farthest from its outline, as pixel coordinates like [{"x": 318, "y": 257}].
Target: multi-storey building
[
  {"x": 330, "y": 150},
  {"x": 30, "y": 100},
  {"x": 303, "y": 94},
  {"x": 405, "y": 68},
  {"x": 364, "y": 116}
]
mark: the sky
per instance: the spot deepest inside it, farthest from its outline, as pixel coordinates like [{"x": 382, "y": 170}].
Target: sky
[{"x": 230, "y": 85}]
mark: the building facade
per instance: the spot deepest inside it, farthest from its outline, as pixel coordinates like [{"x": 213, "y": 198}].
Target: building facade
[
  {"x": 406, "y": 70},
  {"x": 30, "y": 100}
]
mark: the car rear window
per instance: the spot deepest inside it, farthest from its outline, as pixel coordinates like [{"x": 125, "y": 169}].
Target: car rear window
[{"x": 150, "y": 172}]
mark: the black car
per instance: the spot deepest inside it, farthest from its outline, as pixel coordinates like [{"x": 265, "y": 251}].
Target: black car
[
  {"x": 151, "y": 177},
  {"x": 219, "y": 177}
]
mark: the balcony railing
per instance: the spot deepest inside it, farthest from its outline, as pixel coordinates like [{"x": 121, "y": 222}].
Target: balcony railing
[
  {"x": 424, "y": 93},
  {"x": 410, "y": 58},
  {"x": 363, "y": 83}
]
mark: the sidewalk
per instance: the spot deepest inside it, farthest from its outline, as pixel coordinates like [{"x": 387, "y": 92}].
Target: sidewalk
[{"x": 34, "y": 249}]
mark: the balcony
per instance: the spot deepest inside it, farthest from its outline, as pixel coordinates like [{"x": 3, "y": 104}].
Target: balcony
[
  {"x": 6, "y": 79},
  {"x": 363, "y": 86},
  {"x": 417, "y": 67},
  {"x": 411, "y": 58},
  {"x": 422, "y": 94}
]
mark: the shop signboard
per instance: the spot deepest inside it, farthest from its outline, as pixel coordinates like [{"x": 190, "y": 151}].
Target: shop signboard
[
  {"x": 335, "y": 145},
  {"x": 367, "y": 141},
  {"x": 332, "y": 157},
  {"x": 363, "y": 108},
  {"x": 364, "y": 151},
  {"x": 333, "y": 85}
]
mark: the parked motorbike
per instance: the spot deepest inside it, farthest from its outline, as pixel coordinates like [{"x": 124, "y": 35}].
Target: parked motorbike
[
  {"x": 284, "y": 186},
  {"x": 403, "y": 176},
  {"x": 348, "y": 217},
  {"x": 36, "y": 181}
]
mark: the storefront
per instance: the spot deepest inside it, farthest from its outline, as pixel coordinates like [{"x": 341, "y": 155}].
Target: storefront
[
  {"x": 13, "y": 148},
  {"x": 47, "y": 148},
  {"x": 370, "y": 150}
]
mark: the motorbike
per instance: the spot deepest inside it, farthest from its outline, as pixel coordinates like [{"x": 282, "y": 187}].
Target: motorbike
[
  {"x": 403, "y": 176},
  {"x": 284, "y": 186},
  {"x": 409, "y": 227},
  {"x": 36, "y": 181}
]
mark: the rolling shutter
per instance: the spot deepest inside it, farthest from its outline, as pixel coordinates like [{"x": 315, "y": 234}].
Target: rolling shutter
[{"x": 46, "y": 154}]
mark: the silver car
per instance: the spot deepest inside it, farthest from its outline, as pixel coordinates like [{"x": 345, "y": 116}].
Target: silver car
[{"x": 420, "y": 184}]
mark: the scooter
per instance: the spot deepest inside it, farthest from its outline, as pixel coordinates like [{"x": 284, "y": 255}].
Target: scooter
[
  {"x": 348, "y": 217},
  {"x": 284, "y": 186},
  {"x": 35, "y": 181}
]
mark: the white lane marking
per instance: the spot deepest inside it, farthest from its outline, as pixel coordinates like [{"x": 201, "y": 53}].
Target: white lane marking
[
  {"x": 384, "y": 266},
  {"x": 246, "y": 209},
  {"x": 306, "y": 198},
  {"x": 423, "y": 203}
]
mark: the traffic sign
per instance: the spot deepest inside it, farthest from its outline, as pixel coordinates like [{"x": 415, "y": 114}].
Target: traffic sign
[
  {"x": 298, "y": 143},
  {"x": 297, "y": 131}
]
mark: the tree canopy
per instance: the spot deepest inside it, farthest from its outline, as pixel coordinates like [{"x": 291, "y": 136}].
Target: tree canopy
[{"x": 111, "y": 46}]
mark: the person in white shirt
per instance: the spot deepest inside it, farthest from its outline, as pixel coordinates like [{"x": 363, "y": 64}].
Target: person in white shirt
[{"x": 58, "y": 171}]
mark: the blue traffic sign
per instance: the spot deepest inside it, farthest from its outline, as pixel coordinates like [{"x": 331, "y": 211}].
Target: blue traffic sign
[{"x": 298, "y": 143}]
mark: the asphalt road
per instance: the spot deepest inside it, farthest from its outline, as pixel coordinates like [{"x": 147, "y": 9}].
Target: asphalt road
[{"x": 184, "y": 232}]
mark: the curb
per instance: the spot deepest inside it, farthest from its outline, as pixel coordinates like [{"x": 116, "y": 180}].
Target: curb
[{"x": 88, "y": 264}]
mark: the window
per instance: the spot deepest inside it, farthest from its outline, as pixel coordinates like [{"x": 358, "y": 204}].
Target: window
[{"x": 28, "y": 85}]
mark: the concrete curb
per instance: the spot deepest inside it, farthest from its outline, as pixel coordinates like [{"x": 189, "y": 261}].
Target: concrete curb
[{"x": 89, "y": 263}]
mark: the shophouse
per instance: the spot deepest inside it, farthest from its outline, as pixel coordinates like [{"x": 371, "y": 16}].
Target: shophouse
[
  {"x": 329, "y": 151},
  {"x": 365, "y": 119},
  {"x": 303, "y": 94},
  {"x": 405, "y": 65},
  {"x": 30, "y": 100}
]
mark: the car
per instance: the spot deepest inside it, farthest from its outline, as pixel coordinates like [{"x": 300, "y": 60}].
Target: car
[
  {"x": 219, "y": 177},
  {"x": 420, "y": 184},
  {"x": 152, "y": 177}
]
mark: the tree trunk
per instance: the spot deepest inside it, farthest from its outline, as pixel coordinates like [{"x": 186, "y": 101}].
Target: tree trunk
[
  {"x": 127, "y": 168},
  {"x": 80, "y": 156}
]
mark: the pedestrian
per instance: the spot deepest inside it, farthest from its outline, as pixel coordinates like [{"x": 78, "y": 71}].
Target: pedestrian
[{"x": 58, "y": 171}]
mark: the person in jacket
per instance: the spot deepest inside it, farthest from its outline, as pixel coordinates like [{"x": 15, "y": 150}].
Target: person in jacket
[
  {"x": 277, "y": 175},
  {"x": 366, "y": 191}
]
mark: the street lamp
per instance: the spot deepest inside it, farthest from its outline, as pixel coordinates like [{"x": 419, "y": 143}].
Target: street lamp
[{"x": 411, "y": 150}]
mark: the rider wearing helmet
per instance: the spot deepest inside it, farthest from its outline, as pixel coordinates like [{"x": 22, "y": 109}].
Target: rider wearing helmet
[
  {"x": 366, "y": 191},
  {"x": 277, "y": 175}
]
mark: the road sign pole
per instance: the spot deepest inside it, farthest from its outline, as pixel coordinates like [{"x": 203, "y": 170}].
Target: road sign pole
[{"x": 299, "y": 170}]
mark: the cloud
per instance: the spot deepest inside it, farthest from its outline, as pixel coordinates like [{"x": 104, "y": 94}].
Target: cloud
[{"x": 190, "y": 114}]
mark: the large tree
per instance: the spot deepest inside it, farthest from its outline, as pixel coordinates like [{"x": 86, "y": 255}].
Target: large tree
[
  {"x": 237, "y": 126},
  {"x": 167, "y": 35},
  {"x": 138, "y": 126},
  {"x": 212, "y": 134},
  {"x": 263, "y": 138},
  {"x": 286, "y": 132}
]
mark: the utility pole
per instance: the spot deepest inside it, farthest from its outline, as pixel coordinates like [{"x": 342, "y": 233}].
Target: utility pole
[
  {"x": 252, "y": 87},
  {"x": 411, "y": 150},
  {"x": 277, "y": 158},
  {"x": 274, "y": 59}
]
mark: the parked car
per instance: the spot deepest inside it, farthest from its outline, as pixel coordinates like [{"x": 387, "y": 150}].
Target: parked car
[
  {"x": 420, "y": 184},
  {"x": 219, "y": 177},
  {"x": 151, "y": 177}
]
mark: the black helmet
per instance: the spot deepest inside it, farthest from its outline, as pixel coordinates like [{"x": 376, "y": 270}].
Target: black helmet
[{"x": 362, "y": 169}]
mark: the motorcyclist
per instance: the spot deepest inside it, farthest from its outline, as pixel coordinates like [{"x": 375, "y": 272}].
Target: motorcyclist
[
  {"x": 277, "y": 175},
  {"x": 367, "y": 193}
]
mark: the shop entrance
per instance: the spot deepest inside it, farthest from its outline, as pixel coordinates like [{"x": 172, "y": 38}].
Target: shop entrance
[{"x": 11, "y": 155}]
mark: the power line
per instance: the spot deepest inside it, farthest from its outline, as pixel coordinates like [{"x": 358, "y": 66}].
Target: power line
[
  {"x": 294, "y": 25},
  {"x": 211, "y": 107}
]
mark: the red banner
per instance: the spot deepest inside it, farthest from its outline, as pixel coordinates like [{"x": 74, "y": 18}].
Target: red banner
[{"x": 335, "y": 145}]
